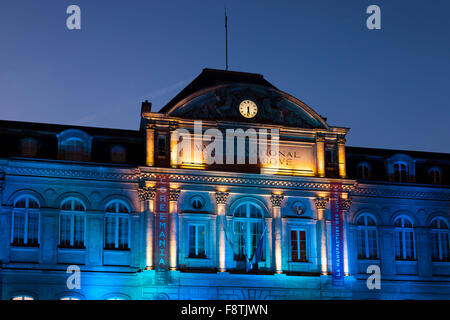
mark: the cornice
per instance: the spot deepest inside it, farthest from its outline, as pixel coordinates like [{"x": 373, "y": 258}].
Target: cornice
[{"x": 217, "y": 178}]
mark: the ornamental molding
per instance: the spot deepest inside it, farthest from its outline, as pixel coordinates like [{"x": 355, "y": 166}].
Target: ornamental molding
[
  {"x": 321, "y": 203},
  {"x": 276, "y": 199},
  {"x": 221, "y": 197},
  {"x": 264, "y": 180},
  {"x": 174, "y": 194},
  {"x": 98, "y": 173},
  {"x": 346, "y": 204},
  {"x": 398, "y": 193},
  {"x": 146, "y": 193},
  {"x": 134, "y": 175}
]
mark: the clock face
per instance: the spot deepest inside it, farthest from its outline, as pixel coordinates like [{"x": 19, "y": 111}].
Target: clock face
[{"x": 248, "y": 108}]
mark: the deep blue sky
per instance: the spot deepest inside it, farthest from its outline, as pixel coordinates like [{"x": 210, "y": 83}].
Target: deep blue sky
[{"x": 390, "y": 86}]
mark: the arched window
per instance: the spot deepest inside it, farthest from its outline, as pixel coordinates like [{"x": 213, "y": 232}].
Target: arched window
[
  {"x": 74, "y": 149},
  {"x": 70, "y": 298},
  {"x": 405, "y": 248},
  {"x": 22, "y": 298},
  {"x": 440, "y": 237},
  {"x": 72, "y": 223},
  {"x": 363, "y": 171},
  {"x": 117, "y": 225},
  {"x": 118, "y": 154},
  {"x": 400, "y": 172},
  {"x": 248, "y": 231},
  {"x": 367, "y": 237},
  {"x": 25, "y": 222},
  {"x": 435, "y": 175},
  {"x": 28, "y": 147}
]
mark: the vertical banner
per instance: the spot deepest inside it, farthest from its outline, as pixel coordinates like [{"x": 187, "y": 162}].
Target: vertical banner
[
  {"x": 337, "y": 234},
  {"x": 162, "y": 223}
]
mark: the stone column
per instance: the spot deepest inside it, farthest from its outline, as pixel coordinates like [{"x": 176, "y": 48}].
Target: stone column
[
  {"x": 147, "y": 196},
  {"x": 341, "y": 157},
  {"x": 221, "y": 200},
  {"x": 321, "y": 206},
  {"x": 150, "y": 145},
  {"x": 173, "y": 145},
  {"x": 346, "y": 204},
  {"x": 320, "y": 156},
  {"x": 174, "y": 194},
  {"x": 276, "y": 200}
]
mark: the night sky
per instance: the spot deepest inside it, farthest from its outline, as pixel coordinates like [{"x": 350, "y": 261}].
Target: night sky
[{"x": 390, "y": 86}]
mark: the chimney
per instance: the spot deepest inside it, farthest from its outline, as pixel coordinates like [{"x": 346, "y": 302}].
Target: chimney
[{"x": 146, "y": 107}]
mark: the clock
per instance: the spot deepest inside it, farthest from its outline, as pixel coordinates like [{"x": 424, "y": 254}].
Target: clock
[{"x": 248, "y": 108}]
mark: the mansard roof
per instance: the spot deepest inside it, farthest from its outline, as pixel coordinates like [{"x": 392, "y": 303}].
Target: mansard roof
[{"x": 215, "y": 95}]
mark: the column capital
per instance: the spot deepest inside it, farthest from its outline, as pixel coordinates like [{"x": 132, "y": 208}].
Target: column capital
[
  {"x": 221, "y": 197},
  {"x": 174, "y": 194},
  {"x": 150, "y": 126},
  {"x": 146, "y": 193},
  {"x": 173, "y": 125},
  {"x": 346, "y": 204},
  {"x": 276, "y": 199},
  {"x": 321, "y": 202},
  {"x": 341, "y": 140},
  {"x": 320, "y": 138}
]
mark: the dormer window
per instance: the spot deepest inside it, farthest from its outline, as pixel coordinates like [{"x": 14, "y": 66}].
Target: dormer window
[
  {"x": 363, "y": 171},
  {"x": 118, "y": 154},
  {"x": 400, "y": 172},
  {"x": 28, "y": 147},
  {"x": 435, "y": 175},
  {"x": 74, "y": 145}
]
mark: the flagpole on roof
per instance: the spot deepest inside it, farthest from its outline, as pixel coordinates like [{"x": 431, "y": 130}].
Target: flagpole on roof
[{"x": 226, "y": 39}]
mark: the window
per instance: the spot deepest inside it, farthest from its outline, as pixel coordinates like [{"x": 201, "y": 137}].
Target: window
[
  {"x": 363, "y": 171},
  {"x": 248, "y": 231},
  {"x": 28, "y": 147},
  {"x": 440, "y": 239},
  {"x": 25, "y": 222},
  {"x": 367, "y": 237},
  {"x": 400, "y": 172},
  {"x": 74, "y": 149},
  {"x": 404, "y": 239},
  {"x": 74, "y": 145},
  {"x": 69, "y": 298},
  {"x": 435, "y": 175},
  {"x": 117, "y": 226},
  {"x": 22, "y": 298},
  {"x": 197, "y": 239},
  {"x": 197, "y": 202},
  {"x": 118, "y": 154},
  {"x": 161, "y": 146},
  {"x": 298, "y": 246},
  {"x": 72, "y": 224},
  {"x": 297, "y": 207}
]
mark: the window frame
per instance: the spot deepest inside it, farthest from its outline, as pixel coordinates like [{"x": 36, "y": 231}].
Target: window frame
[
  {"x": 72, "y": 213},
  {"x": 359, "y": 167},
  {"x": 26, "y": 211},
  {"x": 117, "y": 216},
  {"x": 432, "y": 175},
  {"x": 365, "y": 228},
  {"x": 248, "y": 221},
  {"x": 298, "y": 230},
  {"x": 440, "y": 231},
  {"x": 196, "y": 226},
  {"x": 400, "y": 170},
  {"x": 402, "y": 230}
]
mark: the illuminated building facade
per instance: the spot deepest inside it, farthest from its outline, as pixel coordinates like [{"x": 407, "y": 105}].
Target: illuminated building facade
[{"x": 87, "y": 197}]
